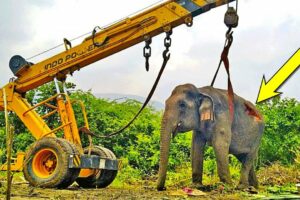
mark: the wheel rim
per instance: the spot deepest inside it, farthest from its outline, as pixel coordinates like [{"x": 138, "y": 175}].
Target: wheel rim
[{"x": 44, "y": 163}]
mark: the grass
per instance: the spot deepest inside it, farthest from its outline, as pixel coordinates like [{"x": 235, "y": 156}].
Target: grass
[
  {"x": 274, "y": 179},
  {"x": 279, "y": 175}
]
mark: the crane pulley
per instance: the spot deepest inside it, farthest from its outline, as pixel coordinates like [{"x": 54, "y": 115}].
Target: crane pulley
[{"x": 231, "y": 18}]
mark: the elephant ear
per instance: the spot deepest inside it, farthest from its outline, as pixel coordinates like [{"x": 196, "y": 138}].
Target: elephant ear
[{"x": 206, "y": 108}]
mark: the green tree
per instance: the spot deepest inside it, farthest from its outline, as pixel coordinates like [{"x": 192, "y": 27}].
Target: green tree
[{"x": 282, "y": 127}]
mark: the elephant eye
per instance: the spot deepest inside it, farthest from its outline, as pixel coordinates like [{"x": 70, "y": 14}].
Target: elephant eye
[{"x": 182, "y": 104}]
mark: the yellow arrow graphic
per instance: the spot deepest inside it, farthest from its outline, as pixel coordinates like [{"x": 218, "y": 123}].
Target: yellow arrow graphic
[{"x": 268, "y": 89}]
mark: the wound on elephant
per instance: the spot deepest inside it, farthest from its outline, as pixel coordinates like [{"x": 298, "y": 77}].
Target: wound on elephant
[{"x": 252, "y": 111}]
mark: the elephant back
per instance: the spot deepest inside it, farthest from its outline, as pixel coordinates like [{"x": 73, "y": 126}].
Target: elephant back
[{"x": 241, "y": 105}]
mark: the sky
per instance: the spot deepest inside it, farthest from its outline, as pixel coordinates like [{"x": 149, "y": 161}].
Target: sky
[{"x": 267, "y": 36}]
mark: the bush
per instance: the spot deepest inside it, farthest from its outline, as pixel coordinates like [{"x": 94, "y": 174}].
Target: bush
[
  {"x": 281, "y": 137},
  {"x": 276, "y": 174}
]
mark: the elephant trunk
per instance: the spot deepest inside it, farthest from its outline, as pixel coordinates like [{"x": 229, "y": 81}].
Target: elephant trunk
[{"x": 165, "y": 139}]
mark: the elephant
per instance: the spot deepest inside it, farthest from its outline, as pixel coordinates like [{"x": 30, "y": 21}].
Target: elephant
[{"x": 205, "y": 111}]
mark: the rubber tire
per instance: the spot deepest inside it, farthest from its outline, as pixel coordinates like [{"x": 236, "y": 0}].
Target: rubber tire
[
  {"x": 101, "y": 178},
  {"x": 62, "y": 176},
  {"x": 73, "y": 173}
]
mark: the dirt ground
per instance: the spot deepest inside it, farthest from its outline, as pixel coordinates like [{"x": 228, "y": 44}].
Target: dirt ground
[{"x": 23, "y": 191}]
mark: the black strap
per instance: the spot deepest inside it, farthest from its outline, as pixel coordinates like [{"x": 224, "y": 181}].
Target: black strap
[
  {"x": 225, "y": 60},
  {"x": 220, "y": 62},
  {"x": 166, "y": 57}
]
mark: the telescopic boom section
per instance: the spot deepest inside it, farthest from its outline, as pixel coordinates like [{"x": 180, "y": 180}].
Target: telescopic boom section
[{"x": 113, "y": 39}]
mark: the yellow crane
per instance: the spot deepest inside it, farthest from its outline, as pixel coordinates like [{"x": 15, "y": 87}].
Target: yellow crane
[{"x": 57, "y": 162}]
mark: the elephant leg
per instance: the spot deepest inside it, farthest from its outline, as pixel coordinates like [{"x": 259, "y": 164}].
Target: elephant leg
[
  {"x": 221, "y": 147},
  {"x": 197, "y": 153},
  {"x": 248, "y": 176},
  {"x": 247, "y": 165},
  {"x": 252, "y": 178}
]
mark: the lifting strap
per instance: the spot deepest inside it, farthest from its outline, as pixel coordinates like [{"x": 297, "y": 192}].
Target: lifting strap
[
  {"x": 231, "y": 21},
  {"x": 166, "y": 57},
  {"x": 224, "y": 59}
]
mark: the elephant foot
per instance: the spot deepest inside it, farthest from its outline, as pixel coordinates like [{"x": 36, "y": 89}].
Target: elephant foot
[
  {"x": 247, "y": 188},
  {"x": 161, "y": 188},
  {"x": 227, "y": 181},
  {"x": 197, "y": 178},
  {"x": 252, "y": 190},
  {"x": 242, "y": 186},
  {"x": 197, "y": 185},
  {"x": 254, "y": 184}
]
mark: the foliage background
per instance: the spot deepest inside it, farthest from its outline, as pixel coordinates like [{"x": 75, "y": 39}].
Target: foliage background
[{"x": 138, "y": 146}]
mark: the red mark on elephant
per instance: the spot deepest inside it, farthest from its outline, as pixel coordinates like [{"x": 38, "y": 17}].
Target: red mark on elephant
[{"x": 250, "y": 110}]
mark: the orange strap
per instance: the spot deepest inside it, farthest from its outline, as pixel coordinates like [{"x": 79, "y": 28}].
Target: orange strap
[{"x": 225, "y": 60}]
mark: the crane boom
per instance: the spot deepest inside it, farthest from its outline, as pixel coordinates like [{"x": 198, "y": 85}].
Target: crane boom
[{"x": 114, "y": 38}]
